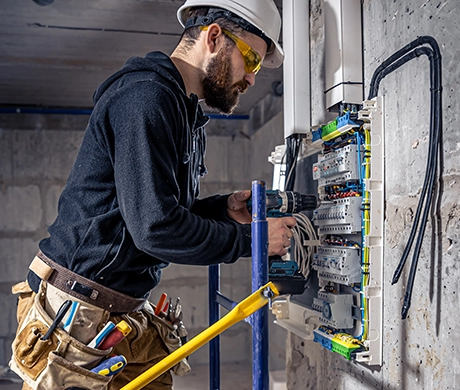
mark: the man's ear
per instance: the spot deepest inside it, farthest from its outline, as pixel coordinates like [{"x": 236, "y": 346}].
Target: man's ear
[{"x": 214, "y": 38}]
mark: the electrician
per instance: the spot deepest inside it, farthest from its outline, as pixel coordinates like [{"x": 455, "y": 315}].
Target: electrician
[{"x": 131, "y": 206}]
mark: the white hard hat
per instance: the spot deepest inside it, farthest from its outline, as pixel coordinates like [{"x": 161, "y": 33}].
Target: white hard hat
[{"x": 261, "y": 14}]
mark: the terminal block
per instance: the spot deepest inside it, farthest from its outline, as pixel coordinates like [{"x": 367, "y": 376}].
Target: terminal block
[
  {"x": 341, "y": 216},
  {"x": 345, "y": 345},
  {"x": 338, "y": 264},
  {"x": 340, "y": 343},
  {"x": 336, "y": 309},
  {"x": 339, "y": 166},
  {"x": 324, "y": 336}
]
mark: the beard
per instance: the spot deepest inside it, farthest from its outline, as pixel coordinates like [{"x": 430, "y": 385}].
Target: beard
[{"x": 218, "y": 90}]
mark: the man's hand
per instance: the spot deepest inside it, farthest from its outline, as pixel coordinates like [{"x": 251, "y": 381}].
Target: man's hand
[
  {"x": 279, "y": 235},
  {"x": 236, "y": 206},
  {"x": 279, "y": 229}
]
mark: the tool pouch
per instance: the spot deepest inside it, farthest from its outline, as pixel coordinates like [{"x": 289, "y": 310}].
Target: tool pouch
[
  {"x": 57, "y": 363},
  {"x": 168, "y": 334}
]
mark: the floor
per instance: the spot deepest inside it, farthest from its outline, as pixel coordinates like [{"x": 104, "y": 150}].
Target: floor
[{"x": 233, "y": 376}]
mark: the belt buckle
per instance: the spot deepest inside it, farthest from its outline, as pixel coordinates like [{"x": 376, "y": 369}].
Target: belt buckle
[{"x": 83, "y": 290}]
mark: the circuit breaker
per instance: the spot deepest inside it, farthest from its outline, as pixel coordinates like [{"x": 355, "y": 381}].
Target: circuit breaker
[{"x": 345, "y": 310}]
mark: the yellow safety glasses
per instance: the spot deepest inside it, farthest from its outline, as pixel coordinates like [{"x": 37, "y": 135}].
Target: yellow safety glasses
[{"x": 252, "y": 60}]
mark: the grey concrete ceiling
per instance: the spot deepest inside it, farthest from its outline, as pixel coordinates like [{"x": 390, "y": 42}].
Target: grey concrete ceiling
[{"x": 55, "y": 56}]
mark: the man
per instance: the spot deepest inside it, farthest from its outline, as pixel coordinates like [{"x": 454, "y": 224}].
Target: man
[{"x": 130, "y": 206}]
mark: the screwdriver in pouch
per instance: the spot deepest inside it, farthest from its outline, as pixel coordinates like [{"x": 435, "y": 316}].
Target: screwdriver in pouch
[
  {"x": 116, "y": 335},
  {"x": 71, "y": 317},
  {"x": 59, "y": 316},
  {"x": 110, "y": 366},
  {"x": 99, "y": 338}
]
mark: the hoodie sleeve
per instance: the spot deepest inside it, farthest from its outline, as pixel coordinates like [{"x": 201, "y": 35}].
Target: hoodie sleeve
[
  {"x": 213, "y": 207},
  {"x": 147, "y": 126}
]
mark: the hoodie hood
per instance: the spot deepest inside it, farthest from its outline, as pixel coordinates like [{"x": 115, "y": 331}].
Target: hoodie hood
[{"x": 137, "y": 67}]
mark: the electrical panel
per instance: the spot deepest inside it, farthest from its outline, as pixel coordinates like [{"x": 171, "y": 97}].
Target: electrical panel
[{"x": 344, "y": 310}]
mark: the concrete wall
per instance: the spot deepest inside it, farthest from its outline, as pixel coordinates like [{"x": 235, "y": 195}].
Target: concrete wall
[
  {"x": 421, "y": 352},
  {"x": 35, "y": 160},
  {"x": 36, "y": 155}
]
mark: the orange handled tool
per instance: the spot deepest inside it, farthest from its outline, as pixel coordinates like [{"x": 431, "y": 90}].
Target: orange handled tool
[{"x": 160, "y": 304}]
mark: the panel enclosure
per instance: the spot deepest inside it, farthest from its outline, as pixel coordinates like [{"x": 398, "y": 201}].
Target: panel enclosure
[{"x": 344, "y": 309}]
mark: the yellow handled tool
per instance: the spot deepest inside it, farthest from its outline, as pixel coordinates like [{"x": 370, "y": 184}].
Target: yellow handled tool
[{"x": 245, "y": 308}]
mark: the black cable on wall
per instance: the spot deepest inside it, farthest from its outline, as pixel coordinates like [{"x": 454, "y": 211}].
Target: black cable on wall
[{"x": 434, "y": 159}]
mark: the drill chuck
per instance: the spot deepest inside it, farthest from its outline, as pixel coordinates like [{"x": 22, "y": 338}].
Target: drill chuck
[
  {"x": 280, "y": 203},
  {"x": 290, "y": 202}
]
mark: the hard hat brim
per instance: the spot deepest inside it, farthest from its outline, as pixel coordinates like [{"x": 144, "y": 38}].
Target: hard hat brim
[{"x": 275, "y": 58}]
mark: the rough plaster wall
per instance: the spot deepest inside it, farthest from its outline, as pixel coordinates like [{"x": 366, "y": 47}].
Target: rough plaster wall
[
  {"x": 34, "y": 164},
  {"x": 36, "y": 155},
  {"x": 421, "y": 352}
]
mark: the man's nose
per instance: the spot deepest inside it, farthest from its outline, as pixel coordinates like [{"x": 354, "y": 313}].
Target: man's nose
[{"x": 250, "y": 78}]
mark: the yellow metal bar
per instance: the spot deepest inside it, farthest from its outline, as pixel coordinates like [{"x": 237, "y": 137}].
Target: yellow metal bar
[{"x": 244, "y": 309}]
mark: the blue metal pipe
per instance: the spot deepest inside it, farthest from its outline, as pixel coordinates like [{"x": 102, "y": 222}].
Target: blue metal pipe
[
  {"x": 40, "y": 110},
  {"x": 259, "y": 229},
  {"x": 225, "y": 302},
  {"x": 214, "y": 316},
  {"x": 239, "y": 117},
  {"x": 88, "y": 111}
]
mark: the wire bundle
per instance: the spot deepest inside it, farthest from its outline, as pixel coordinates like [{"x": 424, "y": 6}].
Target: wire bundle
[
  {"x": 365, "y": 174},
  {"x": 338, "y": 191},
  {"x": 434, "y": 160},
  {"x": 303, "y": 231},
  {"x": 292, "y": 153}
]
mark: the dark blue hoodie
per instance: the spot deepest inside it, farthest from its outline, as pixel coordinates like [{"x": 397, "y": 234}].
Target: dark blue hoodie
[{"x": 130, "y": 205}]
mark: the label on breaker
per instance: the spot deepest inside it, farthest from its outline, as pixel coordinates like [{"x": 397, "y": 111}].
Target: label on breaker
[
  {"x": 339, "y": 166},
  {"x": 342, "y": 216},
  {"x": 338, "y": 264}
]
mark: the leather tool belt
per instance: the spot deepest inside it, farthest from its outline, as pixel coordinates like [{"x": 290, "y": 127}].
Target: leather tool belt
[{"x": 82, "y": 288}]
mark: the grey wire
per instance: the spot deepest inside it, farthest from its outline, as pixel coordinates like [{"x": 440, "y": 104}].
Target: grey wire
[{"x": 303, "y": 254}]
